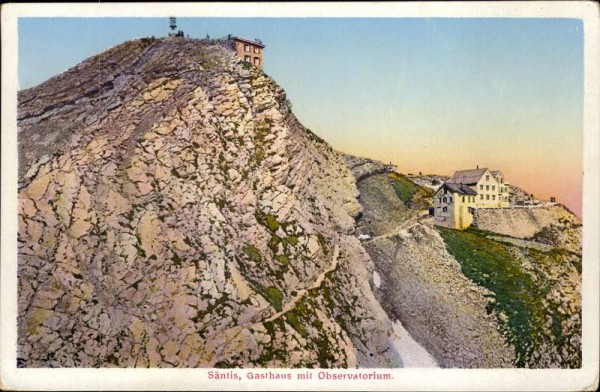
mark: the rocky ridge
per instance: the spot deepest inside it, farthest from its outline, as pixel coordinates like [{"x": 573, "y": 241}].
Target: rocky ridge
[
  {"x": 174, "y": 213},
  {"x": 430, "y": 181},
  {"x": 487, "y": 297}
]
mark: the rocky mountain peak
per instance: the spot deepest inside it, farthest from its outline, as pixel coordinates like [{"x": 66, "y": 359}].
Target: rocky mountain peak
[{"x": 174, "y": 212}]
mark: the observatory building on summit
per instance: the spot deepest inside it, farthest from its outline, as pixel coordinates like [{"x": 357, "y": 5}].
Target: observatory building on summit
[{"x": 250, "y": 51}]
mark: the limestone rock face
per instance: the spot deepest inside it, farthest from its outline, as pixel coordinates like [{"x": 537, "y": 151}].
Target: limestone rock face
[{"x": 174, "y": 213}]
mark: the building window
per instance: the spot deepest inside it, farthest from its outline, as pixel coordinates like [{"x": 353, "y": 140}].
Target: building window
[
  {"x": 256, "y": 61},
  {"x": 487, "y": 187},
  {"x": 493, "y": 197},
  {"x": 247, "y": 58},
  {"x": 256, "y": 50},
  {"x": 444, "y": 199},
  {"x": 487, "y": 178},
  {"x": 450, "y": 199},
  {"x": 481, "y": 197},
  {"x": 463, "y": 199},
  {"x": 247, "y": 48},
  {"x": 445, "y": 209},
  {"x": 480, "y": 187},
  {"x": 487, "y": 197},
  {"x": 493, "y": 187}
]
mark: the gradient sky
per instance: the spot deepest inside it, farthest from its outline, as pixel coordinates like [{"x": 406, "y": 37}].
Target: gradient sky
[{"x": 431, "y": 95}]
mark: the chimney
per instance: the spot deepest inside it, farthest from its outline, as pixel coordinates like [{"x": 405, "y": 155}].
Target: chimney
[{"x": 478, "y": 166}]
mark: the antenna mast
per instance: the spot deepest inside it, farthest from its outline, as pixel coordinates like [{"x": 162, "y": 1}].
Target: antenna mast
[{"x": 172, "y": 25}]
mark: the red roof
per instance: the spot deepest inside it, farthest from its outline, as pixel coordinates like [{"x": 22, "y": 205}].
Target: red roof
[{"x": 248, "y": 41}]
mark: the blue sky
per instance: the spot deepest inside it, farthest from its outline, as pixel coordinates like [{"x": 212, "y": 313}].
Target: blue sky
[{"x": 429, "y": 94}]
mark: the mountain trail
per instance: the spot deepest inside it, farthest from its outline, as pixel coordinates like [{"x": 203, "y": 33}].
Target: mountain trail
[
  {"x": 291, "y": 304},
  {"x": 407, "y": 224}
]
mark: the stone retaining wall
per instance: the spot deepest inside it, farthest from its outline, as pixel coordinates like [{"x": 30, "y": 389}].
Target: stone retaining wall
[{"x": 521, "y": 222}]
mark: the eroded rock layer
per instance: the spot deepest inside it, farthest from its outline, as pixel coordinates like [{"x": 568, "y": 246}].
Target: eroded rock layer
[{"x": 174, "y": 213}]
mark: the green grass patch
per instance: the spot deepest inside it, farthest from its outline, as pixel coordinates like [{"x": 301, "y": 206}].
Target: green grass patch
[
  {"x": 293, "y": 320},
  {"x": 486, "y": 233},
  {"x": 292, "y": 240},
  {"x": 274, "y": 243},
  {"x": 267, "y": 220},
  {"x": 252, "y": 252},
  {"x": 261, "y": 130},
  {"x": 283, "y": 259},
  {"x": 275, "y": 297},
  {"x": 272, "y": 223},
  {"x": 325, "y": 354},
  {"x": 410, "y": 193},
  {"x": 271, "y": 294},
  {"x": 489, "y": 264},
  {"x": 403, "y": 187}
]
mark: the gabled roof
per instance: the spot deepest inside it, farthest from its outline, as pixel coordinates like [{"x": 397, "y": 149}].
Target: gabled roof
[
  {"x": 496, "y": 173},
  {"x": 460, "y": 188},
  {"x": 463, "y": 189},
  {"x": 248, "y": 41},
  {"x": 469, "y": 177}
]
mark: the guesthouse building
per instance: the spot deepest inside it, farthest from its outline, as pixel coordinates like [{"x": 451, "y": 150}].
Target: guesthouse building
[{"x": 454, "y": 203}]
